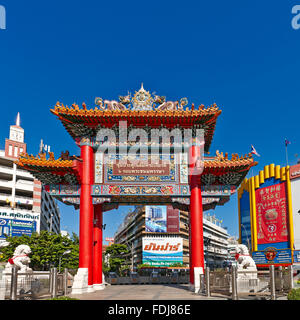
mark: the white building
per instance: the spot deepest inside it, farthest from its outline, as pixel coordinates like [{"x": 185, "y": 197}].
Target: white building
[
  {"x": 24, "y": 205},
  {"x": 216, "y": 245},
  {"x": 295, "y": 189}
]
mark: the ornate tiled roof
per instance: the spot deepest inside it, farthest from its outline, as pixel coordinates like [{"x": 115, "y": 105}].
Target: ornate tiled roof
[{"x": 82, "y": 121}]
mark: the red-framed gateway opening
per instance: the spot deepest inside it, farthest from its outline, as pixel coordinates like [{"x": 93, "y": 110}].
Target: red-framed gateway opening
[{"x": 200, "y": 183}]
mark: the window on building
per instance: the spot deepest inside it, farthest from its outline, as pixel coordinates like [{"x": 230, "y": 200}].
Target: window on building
[
  {"x": 21, "y": 150},
  {"x": 16, "y": 152},
  {"x": 10, "y": 150}
]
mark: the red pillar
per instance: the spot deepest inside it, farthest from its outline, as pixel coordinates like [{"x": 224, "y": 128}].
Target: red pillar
[
  {"x": 86, "y": 212},
  {"x": 196, "y": 214},
  {"x": 97, "y": 266}
]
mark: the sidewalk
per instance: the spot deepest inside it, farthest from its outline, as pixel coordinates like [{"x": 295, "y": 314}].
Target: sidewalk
[{"x": 146, "y": 292}]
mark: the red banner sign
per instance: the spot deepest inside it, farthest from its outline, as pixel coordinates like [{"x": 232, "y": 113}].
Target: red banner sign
[
  {"x": 295, "y": 171},
  {"x": 271, "y": 211},
  {"x": 172, "y": 219}
]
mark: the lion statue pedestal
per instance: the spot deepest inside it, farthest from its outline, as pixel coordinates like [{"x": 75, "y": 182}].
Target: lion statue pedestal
[{"x": 247, "y": 280}]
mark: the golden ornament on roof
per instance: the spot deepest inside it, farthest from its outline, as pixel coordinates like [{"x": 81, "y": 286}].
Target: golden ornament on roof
[{"x": 142, "y": 100}]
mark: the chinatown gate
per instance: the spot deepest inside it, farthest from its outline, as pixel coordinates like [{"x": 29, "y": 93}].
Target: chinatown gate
[{"x": 137, "y": 150}]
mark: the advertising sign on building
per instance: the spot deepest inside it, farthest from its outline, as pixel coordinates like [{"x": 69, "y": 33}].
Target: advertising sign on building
[
  {"x": 163, "y": 251},
  {"x": 13, "y": 228},
  {"x": 295, "y": 171},
  {"x": 270, "y": 200},
  {"x": 271, "y": 208},
  {"x": 297, "y": 256},
  {"x": 272, "y": 255},
  {"x": 172, "y": 219},
  {"x": 295, "y": 190},
  {"x": 161, "y": 219},
  {"x": 18, "y": 224}
]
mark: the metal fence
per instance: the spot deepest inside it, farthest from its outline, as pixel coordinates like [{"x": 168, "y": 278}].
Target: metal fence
[
  {"x": 235, "y": 284},
  {"x": 36, "y": 285},
  {"x": 147, "y": 279}
]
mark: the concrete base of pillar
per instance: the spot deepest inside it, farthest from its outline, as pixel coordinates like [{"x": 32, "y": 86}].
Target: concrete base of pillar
[
  {"x": 80, "y": 284},
  {"x": 191, "y": 287},
  {"x": 91, "y": 288},
  {"x": 195, "y": 287},
  {"x": 99, "y": 286}
]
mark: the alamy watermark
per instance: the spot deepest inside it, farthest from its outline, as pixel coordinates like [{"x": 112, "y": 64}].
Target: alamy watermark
[
  {"x": 296, "y": 19},
  {"x": 140, "y": 147},
  {"x": 2, "y": 18}
]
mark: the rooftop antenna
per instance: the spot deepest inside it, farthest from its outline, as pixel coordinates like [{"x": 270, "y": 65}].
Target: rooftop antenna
[{"x": 18, "y": 120}]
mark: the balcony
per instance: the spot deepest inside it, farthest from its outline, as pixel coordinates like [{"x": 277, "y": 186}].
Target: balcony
[
  {"x": 24, "y": 185},
  {"x": 20, "y": 199},
  {"x": 6, "y": 184},
  {"x": 7, "y": 170},
  {"x": 24, "y": 200},
  {"x": 24, "y": 173}
]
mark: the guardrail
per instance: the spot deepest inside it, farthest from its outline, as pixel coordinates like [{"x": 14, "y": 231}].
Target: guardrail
[
  {"x": 167, "y": 279},
  {"x": 267, "y": 284},
  {"x": 36, "y": 285}
]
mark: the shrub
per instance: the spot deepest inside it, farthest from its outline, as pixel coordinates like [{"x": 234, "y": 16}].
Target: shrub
[
  {"x": 294, "y": 294},
  {"x": 63, "y": 298}
]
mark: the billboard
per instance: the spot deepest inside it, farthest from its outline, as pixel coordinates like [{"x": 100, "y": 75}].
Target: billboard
[
  {"x": 161, "y": 219},
  {"x": 18, "y": 222},
  {"x": 12, "y": 228},
  {"x": 165, "y": 251},
  {"x": 268, "y": 197},
  {"x": 295, "y": 189},
  {"x": 272, "y": 255},
  {"x": 297, "y": 256},
  {"x": 271, "y": 209}
]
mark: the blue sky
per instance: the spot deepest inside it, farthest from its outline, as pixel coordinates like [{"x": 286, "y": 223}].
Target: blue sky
[{"x": 241, "y": 55}]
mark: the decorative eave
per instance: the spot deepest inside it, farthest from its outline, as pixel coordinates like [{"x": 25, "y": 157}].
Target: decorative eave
[
  {"x": 80, "y": 122},
  {"x": 51, "y": 171},
  {"x": 218, "y": 170}
]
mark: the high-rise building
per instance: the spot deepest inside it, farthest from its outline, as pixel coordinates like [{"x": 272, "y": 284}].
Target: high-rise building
[
  {"x": 146, "y": 245},
  {"x": 24, "y": 205}
]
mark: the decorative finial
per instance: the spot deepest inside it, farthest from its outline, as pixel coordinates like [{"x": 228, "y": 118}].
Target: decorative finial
[{"x": 18, "y": 120}]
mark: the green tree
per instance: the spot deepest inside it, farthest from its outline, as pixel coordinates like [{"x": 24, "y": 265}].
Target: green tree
[
  {"x": 116, "y": 253},
  {"x": 47, "y": 248},
  {"x": 294, "y": 294}
]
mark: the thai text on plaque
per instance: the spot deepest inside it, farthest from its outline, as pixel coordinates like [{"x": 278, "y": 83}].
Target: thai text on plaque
[{"x": 141, "y": 168}]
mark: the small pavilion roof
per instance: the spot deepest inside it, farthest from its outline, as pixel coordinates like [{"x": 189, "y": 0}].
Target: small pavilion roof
[
  {"x": 217, "y": 170},
  {"x": 50, "y": 171}
]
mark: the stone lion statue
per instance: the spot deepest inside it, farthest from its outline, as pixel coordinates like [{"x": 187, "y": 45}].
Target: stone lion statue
[
  {"x": 243, "y": 258},
  {"x": 247, "y": 279},
  {"x": 20, "y": 259}
]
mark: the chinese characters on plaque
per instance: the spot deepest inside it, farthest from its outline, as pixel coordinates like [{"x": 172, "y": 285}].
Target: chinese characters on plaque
[{"x": 271, "y": 210}]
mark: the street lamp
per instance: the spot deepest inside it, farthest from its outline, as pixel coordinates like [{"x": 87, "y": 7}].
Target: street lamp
[
  {"x": 66, "y": 252},
  {"x": 51, "y": 217}
]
